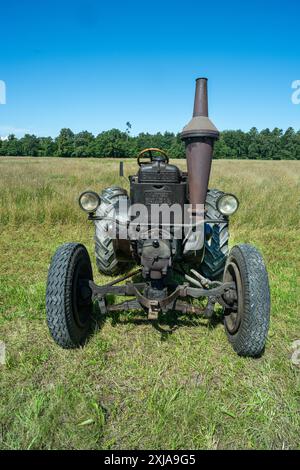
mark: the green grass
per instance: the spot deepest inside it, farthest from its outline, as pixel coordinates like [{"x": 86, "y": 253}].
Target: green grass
[{"x": 130, "y": 387}]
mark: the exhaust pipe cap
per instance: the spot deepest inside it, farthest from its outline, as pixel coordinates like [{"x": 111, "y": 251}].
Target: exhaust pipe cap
[{"x": 200, "y": 125}]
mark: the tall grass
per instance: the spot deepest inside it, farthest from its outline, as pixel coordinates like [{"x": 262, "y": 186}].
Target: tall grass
[{"x": 45, "y": 190}]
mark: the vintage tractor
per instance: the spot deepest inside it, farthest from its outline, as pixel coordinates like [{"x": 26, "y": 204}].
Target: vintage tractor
[{"x": 176, "y": 230}]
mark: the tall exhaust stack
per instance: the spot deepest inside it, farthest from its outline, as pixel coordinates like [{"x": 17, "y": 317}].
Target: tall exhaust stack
[{"x": 199, "y": 136}]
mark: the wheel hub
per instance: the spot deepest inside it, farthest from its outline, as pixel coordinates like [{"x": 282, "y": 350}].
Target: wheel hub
[{"x": 233, "y": 316}]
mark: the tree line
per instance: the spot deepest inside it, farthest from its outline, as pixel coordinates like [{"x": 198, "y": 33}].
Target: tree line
[{"x": 265, "y": 145}]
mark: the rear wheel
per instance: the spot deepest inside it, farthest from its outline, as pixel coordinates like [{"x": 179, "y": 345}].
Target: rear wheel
[
  {"x": 69, "y": 304},
  {"x": 106, "y": 259},
  {"x": 247, "y": 322},
  {"x": 216, "y": 247}
]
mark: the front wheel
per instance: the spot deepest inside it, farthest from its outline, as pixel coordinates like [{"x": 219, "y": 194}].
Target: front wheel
[
  {"x": 69, "y": 304},
  {"x": 247, "y": 322}
]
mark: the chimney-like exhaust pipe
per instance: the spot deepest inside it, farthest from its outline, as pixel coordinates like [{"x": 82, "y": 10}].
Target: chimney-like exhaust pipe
[{"x": 199, "y": 136}]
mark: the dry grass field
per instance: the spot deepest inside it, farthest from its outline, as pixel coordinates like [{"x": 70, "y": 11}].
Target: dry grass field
[{"x": 130, "y": 387}]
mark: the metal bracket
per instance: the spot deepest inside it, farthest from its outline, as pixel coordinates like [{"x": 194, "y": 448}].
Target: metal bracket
[{"x": 153, "y": 310}]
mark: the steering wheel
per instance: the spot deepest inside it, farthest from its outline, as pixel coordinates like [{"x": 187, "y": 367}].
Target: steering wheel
[{"x": 150, "y": 156}]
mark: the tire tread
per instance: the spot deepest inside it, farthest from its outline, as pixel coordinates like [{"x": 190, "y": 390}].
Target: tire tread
[
  {"x": 58, "y": 302},
  {"x": 251, "y": 337},
  {"x": 216, "y": 250}
]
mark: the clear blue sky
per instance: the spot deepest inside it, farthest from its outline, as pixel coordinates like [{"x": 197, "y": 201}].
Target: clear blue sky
[{"x": 93, "y": 65}]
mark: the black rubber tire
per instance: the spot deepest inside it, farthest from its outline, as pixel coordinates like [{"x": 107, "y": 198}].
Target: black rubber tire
[
  {"x": 106, "y": 259},
  {"x": 252, "y": 328},
  {"x": 69, "y": 309},
  {"x": 216, "y": 249}
]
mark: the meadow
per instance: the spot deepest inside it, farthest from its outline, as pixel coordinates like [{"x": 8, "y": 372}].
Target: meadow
[{"x": 131, "y": 387}]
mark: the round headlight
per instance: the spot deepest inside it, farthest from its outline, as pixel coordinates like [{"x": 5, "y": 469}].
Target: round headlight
[
  {"x": 227, "y": 204},
  {"x": 89, "y": 201}
]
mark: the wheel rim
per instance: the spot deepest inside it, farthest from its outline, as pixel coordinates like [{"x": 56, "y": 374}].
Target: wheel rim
[
  {"x": 81, "y": 295},
  {"x": 233, "y": 316}
]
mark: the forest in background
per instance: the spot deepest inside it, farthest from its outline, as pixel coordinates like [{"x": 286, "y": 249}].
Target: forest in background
[{"x": 267, "y": 144}]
